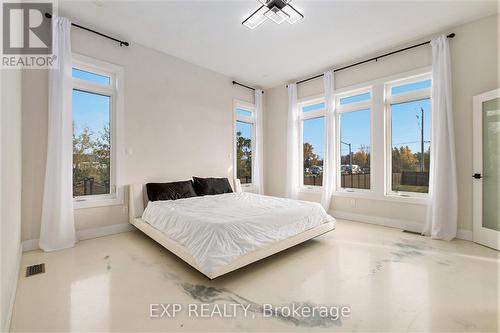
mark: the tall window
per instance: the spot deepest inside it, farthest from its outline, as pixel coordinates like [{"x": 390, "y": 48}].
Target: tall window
[
  {"x": 312, "y": 125},
  {"x": 354, "y": 139},
  {"x": 95, "y": 97},
  {"x": 244, "y": 144},
  {"x": 409, "y": 108}
]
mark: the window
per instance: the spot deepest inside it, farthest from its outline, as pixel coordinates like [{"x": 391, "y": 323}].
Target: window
[
  {"x": 91, "y": 77},
  {"x": 312, "y": 128},
  {"x": 244, "y": 142},
  {"x": 355, "y": 98},
  {"x": 96, "y": 99},
  {"x": 314, "y": 107},
  {"x": 409, "y": 108},
  {"x": 243, "y": 112},
  {"x": 91, "y": 143},
  {"x": 354, "y": 140},
  {"x": 381, "y": 143},
  {"x": 410, "y": 87}
]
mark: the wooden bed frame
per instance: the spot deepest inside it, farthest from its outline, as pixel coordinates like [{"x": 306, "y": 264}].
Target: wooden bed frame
[{"x": 138, "y": 201}]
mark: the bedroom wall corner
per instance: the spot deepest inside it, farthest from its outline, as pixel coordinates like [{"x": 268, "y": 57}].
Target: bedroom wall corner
[
  {"x": 10, "y": 205},
  {"x": 275, "y": 127},
  {"x": 177, "y": 124},
  {"x": 473, "y": 73}
]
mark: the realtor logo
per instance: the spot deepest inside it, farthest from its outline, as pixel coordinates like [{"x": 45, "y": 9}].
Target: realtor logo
[
  {"x": 27, "y": 35},
  {"x": 26, "y": 30}
]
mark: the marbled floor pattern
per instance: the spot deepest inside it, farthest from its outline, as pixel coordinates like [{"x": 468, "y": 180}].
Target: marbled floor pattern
[{"x": 392, "y": 281}]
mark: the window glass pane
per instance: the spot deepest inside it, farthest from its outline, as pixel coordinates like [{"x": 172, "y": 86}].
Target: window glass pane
[
  {"x": 243, "y": 112},
  {"x": 91, "y": 143},
  {"x": 244, "y": 133},
  {"x": 356, "y": 98},
  {"x": 91, "y": 77},
  {"x": 314, "y": 107},
  {"x": 491, "y": 163},
  {"x": 313, "y": 130},
  {"x": 411, "y": 146},
  {"x": 410, "y": 87},
  {"x": 355, "y": 142}
]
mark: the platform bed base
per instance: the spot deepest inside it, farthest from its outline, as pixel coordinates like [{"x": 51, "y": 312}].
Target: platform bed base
[{"x": 242, "y": 261}]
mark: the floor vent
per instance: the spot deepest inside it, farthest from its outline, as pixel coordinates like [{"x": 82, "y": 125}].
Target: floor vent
[
  {"x": 413, "y": 232},
  {"x": 35, "y": 269}
]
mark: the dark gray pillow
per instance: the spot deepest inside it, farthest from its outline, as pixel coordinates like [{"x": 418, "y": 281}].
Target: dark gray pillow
[
  {"x": 170, "y": 191},
  {"x": 211, "y": 186}
]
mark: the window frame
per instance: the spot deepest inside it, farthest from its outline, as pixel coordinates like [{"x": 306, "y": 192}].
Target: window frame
[
  {"x": 239, "y": 104},
  {"x": 301, "y": 117},
  {"x": 352, "y": 107},
  {"x": 115, "y": 91},
  {"x": 378, "y": 145},
  {"x": 389, "y": 99}
]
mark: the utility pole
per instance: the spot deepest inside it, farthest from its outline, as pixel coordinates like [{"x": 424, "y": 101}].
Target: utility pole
[
  {"x": 422, "y": 140},
  {"x": 350, "y": 153},
  {"x": 350, "y": 157}
]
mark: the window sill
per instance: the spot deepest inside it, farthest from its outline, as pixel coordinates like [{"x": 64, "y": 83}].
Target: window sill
[
  {"x": 310, "y": 189},
  {"x": 421, "y": 200},
  {"x": 246, "y": 188},
  {"x": 370, "y": 195},
  {"x": 356, "y": 191},
  {"x": 83, "y": 203}
]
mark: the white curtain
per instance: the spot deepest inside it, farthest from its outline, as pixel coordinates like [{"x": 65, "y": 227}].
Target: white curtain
[
  {"x": 442, "y": 209},
  {"x": 58, "y": 227},
  {"x": 293, "y": 163},
  {"x": 329, "y": 150},
  {"x": 258, "y": 165}
]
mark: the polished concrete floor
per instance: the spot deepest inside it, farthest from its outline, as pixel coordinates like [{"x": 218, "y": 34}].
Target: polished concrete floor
[{"x": 390, "y": 281}]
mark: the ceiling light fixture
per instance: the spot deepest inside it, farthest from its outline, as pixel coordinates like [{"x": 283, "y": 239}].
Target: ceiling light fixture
[{"x": 278, "y": 11}]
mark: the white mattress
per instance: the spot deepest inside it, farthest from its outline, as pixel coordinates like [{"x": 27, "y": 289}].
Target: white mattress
[{"x": 217, "y": 229}]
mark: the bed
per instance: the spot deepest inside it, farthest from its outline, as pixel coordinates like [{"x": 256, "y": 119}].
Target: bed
[{"x": 217, "y": 234}]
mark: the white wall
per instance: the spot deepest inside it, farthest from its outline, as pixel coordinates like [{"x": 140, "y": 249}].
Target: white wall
[
  {"x": 178, "y": 124},
  {"x": 475, "y": 70},
  {"x": 178, "y": 121},
  {"x": 10, "y": 189}
]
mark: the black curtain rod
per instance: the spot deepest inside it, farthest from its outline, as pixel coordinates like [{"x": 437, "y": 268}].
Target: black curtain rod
[
  {"x": 244, "y": 86},
  {"x": 122, "y": 43},
  {"x": 372, "y": 59}
]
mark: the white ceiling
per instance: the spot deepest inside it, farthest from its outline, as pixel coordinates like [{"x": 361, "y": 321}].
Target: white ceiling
[{"x": 210, "y": 33}]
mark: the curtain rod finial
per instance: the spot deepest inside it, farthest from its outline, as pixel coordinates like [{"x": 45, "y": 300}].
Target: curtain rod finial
[{"x": 452, "y": 35}]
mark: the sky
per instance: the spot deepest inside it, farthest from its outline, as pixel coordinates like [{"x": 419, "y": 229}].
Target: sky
[
  {"x": 244, "y": 128},
  {"x": 355, "y": 126},
  {"x": 313, "y": 131},
  {"x": 354, "y": 129},
  {"x": 406, "y": 126},
  {"x": 90, "y": 110}
]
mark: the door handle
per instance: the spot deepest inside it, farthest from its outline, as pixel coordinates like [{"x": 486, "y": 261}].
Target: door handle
[{"x": 477, "y": 176}]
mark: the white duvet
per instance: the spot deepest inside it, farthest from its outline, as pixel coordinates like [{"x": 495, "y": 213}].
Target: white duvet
[{"x": 217, "y": 229}]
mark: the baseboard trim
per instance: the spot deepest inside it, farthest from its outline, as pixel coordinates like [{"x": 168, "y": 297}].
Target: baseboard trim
[
  {"x": 464, "y": 234},
  {"x": 32, "y": 244},
  {"x": 104, "y": 231},
  {"x": 12, "y": 300},
  {"x": 393, "y": 223}
]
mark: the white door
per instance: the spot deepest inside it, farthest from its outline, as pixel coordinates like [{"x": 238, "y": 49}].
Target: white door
[{"x": 486, "y": 166}]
